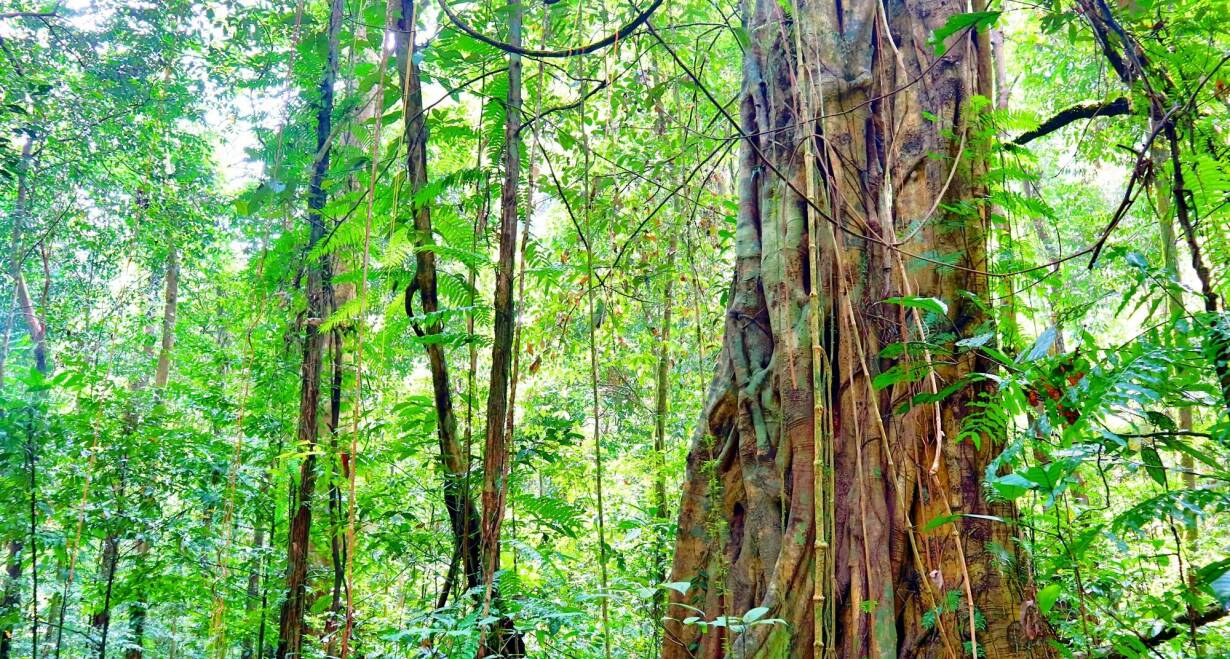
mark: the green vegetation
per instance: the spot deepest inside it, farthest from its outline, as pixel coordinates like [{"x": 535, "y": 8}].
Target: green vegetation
[{"x": 362, "y": 328}]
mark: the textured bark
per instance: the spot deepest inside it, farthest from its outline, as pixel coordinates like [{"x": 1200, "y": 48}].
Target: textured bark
[
  {"x": 504, "y": 640},
  {"x": 291, "y": 621},
  {"x": 854, "y": 97}
]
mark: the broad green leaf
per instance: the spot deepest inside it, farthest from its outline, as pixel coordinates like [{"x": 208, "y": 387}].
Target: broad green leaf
[
  {"x": 680, "y": 586},
  {"x": 1047, "y": 597},
  {"x": 755, "y": 614},
  {"x": 978, "y": 20},
  {"x": 939, "y": 521},
  {"x": 932, "y": 304}
]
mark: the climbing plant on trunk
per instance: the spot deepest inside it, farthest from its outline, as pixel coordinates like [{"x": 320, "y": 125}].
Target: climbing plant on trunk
[{"x": 834, "y": 506}]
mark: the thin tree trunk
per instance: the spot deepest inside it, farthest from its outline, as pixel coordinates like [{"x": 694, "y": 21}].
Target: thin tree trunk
[
  {"x": 336, "y": 541},
  {"x": 12, "y": 593},
  {"x": 480, "y": 232},
  {"x": 806, "y": 493},
  {"x": 170, "y": 303},
  {"x": 38, "y": 333},
  {"x": 463, "y": 516},
  {"x": 170, "y": 298},
  {"x": 254, "y": 603},
  {"x": 519, "y": 301},
  {"x": 661, "y": 409},
  {"x": 101, "y": 620},
  {"x": 291, "y": 621},
  {"x": 25, "y": 305},
  {"x": 504, "y": 640}
]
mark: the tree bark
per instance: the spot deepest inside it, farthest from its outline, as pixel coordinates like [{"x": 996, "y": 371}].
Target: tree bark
[
  {"x": 503, "y": 640},
  {"x": 337, "y": 543},
  {"x": 170, "y": 303},
  {"x": 833, "y": 542},
  {"x": 463, "y": 515},
  {"x": 291, "y": 621}
]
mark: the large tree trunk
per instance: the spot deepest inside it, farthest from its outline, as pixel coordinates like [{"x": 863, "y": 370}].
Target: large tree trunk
[
  {"x": 836, "y": 111},
  {"x": 291, "y": 622}
]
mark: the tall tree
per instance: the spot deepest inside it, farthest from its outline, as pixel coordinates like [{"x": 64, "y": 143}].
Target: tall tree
[
  {"x": 291, "y": 621},
  {"x": 162, "y": 373},
  {"x": 504, "y": 640},
  {"x": 807, "y": 494},
  {"x": 38, "y": 336},
  {"x": 462, "y": 513}
]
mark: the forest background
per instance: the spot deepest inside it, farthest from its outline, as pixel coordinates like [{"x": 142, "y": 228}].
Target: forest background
[{"x": 274, "y": 267}]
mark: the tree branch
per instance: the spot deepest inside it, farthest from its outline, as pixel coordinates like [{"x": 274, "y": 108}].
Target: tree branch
[
  {"x": 1086, "y": 110},
  {"x": 612, "y": 38},
  {"x": 564, "y": 108},
  {"x": 29, "y": 14}
]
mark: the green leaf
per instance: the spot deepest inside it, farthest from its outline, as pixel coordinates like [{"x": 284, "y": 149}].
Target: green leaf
[
  {"x": 680, "y": 586},
  {"x": 939, "y": 521},
  {"x": 1047, "y": 597},
  {"x": 1012, "y": 486},
  {"x": 934, "y": 305},
  {"x": 1153, "y": 464},
  {"x": 907, "y": 372},
  {"x": 976, "y": 341},
  {"x": 1041, "y": 346},
  {"x": 1217, "y": 577},
  {"x": 978, "y": 20},
  {"x": 755, "y": 614}
]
